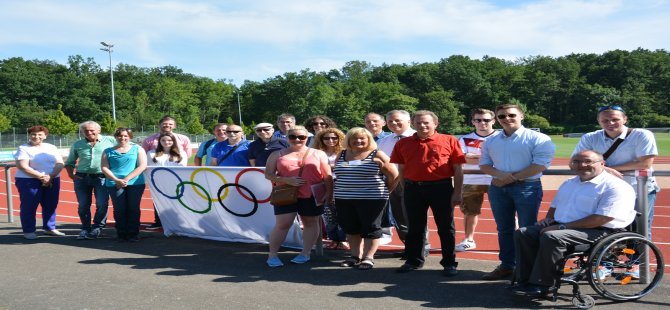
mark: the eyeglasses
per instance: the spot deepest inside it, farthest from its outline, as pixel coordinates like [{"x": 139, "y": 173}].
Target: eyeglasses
[
  {"x": 482, "y": 120},
  {"x": 294, "y": 137},
  {"x": 585, "y": 162},
  {"x": 263, "y": 129},
  {"x": 319, "y": 124},
  {"x": 611, "y": 107},
  {"x": 504, "y": 116},
  {"x": 330, "y": 138},
  {"x": 233, "y": 131}
]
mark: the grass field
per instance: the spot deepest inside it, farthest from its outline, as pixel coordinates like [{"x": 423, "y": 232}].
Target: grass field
[{"x": 565, "y": 146}]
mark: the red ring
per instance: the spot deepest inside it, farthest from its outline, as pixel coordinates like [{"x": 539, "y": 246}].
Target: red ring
[{"x": 237, "y": 180}]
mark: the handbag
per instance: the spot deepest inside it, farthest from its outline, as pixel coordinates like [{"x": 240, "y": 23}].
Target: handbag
[{"x": 284, "y": 195}]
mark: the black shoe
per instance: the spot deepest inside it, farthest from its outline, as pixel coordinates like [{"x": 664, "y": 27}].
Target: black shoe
[
  {"x": 532, "y": 290},
  {"x": 155, "y": 226},
  {"x": 450, "y": 271},
  {"x": 407, "y": 268}
]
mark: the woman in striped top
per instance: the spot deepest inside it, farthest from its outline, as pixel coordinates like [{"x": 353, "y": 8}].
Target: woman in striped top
[{"x": 364, "y": 179}]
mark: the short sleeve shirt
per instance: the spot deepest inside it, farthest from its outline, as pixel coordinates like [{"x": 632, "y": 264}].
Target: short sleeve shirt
[{"x": 429, "y": 159}]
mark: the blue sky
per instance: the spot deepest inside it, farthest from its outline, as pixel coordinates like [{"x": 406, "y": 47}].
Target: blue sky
[{"x": 255, "y": 40}]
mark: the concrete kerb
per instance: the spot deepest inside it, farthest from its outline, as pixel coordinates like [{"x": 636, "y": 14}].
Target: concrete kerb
[{"x": 179, "y": 273}]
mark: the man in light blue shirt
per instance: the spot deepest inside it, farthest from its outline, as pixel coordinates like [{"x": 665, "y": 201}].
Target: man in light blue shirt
[{"x": 515, "y": 158}]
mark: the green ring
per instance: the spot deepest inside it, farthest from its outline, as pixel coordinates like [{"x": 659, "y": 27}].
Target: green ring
[{"x": 209, "y": 198}]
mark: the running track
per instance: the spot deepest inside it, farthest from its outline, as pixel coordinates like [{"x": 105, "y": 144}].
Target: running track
[{"x": 486, "y": 236}]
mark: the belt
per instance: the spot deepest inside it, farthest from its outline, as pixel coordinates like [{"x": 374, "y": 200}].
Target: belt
[
  {"x": 529, "y": 180},
  {"x": 443, "y": 181},
  {"x": 97, "y": 175}
]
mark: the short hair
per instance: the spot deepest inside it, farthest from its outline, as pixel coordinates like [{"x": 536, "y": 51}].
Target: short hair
[
  {"x": 598, "y": 155},
  {"x": 167, "y": 117},
  {"x": 38, "y": 128},
  {"x": 509, "y": 106},
  {"x": 318, "y": 144},
  {"x": 219, "y": 125},
  {"x": 373, "y": 113},
  {"x": 402, "y": 112},
  {"x": 285, "y": 115},
  {"x": 482, "y": 111},
  {"x": 358, "y": 131},
  {"x": 119, "y": 130},
  {"x": 86, "y": 123},
  {"x": 297, "y": 128},
  {"x": 420, "y": 113},
  {"x": 329, "y": 122}
]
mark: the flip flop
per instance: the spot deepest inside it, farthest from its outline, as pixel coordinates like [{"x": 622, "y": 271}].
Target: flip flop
[{"x": 366, "y": 264}]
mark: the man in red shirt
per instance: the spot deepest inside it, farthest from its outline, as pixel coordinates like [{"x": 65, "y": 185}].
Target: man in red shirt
[{"x": 427, "y": 163}]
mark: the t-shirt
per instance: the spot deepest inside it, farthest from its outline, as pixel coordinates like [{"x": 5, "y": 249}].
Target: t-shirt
[
  {"x": 42, "y": 158},
  {"x": 208, "y": 152},
  {"x": 122, "y": 164},
  {"x": 164, "y": 160},
  {"x": 472, "y": 143},
  {"x": 238, "y": 158}
]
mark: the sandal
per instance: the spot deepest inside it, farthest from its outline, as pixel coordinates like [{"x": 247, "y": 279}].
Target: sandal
[
  {"x": 366, "y": 264},
  {"x": 343, "y": 245},
  {"x": 351, "y": 262}
]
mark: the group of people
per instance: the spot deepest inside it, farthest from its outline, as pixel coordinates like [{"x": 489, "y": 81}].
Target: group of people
[{"x": 370, "y": 179}]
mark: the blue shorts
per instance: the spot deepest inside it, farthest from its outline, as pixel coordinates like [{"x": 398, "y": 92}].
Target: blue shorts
[{"x": 304, "y": 206}]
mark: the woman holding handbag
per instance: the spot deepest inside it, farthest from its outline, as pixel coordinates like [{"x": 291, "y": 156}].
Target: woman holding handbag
[{"x": 300, "y": 167}]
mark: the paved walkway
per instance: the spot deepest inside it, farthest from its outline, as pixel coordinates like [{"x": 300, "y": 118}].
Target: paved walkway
[{"x": 184, "y": 273}]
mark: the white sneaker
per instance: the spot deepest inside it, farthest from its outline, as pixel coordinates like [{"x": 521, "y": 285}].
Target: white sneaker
[
  {"x": 53, "y": 232},
  {"x": 466, "y": 245}
]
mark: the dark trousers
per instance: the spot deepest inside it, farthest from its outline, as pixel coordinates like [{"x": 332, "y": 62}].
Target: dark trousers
[
  {"x": 419, "y": 196},
  {"x": 127, "y": 209},
  {"x": 32, "y": 194}
]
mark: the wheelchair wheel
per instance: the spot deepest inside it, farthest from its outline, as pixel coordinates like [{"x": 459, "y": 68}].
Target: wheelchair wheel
[
  {"x": 625, "y": 266},
  {"x": 583, "y": 302}
]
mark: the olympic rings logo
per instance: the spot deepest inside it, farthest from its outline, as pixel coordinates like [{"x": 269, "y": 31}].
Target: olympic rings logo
[{"x": 200, "y": 191}]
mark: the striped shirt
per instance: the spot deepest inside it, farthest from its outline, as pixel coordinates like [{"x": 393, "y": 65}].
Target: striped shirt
[{"x": 359, "y": 179}]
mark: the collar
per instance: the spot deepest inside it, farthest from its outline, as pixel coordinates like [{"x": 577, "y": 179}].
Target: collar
[
  {"x": 599, "y": 179},
  {"x": 515, "y": 133},
  {"x": 405, "y": 133},
  {"x": 492, "y": 133},
  {"x": 622, "y": 136}
]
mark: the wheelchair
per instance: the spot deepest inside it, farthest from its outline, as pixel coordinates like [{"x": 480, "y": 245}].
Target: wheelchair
[{"x": 621, "y": 266}]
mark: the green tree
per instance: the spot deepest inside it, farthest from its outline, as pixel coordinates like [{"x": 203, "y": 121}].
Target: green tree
[
  {"x": 59, "y": 123},
  {"x": 5, "y": 123},
  {"x": 108, "y": 124}
]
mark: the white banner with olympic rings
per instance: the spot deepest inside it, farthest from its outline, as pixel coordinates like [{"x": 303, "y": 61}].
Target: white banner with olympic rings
[{"x": 217, "y": 203}]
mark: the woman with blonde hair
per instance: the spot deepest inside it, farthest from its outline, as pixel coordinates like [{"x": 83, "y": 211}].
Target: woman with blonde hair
[
  {"x": 330, "y": 140},
  {"x": 364, "y": 178}
]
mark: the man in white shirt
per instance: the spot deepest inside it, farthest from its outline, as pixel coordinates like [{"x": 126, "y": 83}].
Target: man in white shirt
[
  {"x": 586, "y": 208},
  {"x": 474, "y": 185}
]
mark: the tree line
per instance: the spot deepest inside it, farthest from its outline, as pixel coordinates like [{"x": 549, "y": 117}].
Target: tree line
[{"x": 559, "y": 94}]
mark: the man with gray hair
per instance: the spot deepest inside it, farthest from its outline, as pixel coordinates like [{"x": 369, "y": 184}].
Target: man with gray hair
[
  {"x": 285, "y": 121},
  {"x": 84, "y": 157}
]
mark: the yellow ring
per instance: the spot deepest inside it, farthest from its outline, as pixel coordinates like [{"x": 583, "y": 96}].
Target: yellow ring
[{"x": 223, "y": 179}]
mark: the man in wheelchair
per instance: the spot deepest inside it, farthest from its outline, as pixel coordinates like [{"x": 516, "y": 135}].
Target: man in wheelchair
[{"x": 586, "y": 208}]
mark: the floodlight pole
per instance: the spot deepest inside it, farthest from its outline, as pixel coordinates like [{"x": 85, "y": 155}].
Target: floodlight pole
[{"x": 108, "y": 48}]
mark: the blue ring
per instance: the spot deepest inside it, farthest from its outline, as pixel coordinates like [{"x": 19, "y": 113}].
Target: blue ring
[{"x": 178, "y": 196}]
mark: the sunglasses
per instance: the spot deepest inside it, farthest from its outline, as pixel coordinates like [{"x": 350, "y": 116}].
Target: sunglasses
[
  {"x": 295, "y": 137},
  {"x": 611, "y": 107},
  {"x": 330, "y": 138},
  {"x": 585, "y": 162},
  {"x": 233, "y": 131},
  {"x": 504, "y": 116},
  {"x": 482, "y": 120},
  {"x": 319, "y": 124},
  {"x": 263, "y": 129}
]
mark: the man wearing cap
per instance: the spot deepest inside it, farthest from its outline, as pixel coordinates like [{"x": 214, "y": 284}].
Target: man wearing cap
[
  {"x": 264, "y": 145},
  {"x": 233, "y": 151},
  {"x": 205, "y": 148}
]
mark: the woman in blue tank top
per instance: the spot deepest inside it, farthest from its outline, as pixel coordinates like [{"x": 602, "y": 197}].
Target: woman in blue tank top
[{"x": 123, "y": 165}]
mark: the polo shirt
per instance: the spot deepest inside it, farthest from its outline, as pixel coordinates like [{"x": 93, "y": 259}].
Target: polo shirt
[
  {"x": 89, "y": 156},
  {"x": 605, "y": 195},
  {"x": 518, "y": 151},
  {"x": 429, "y": 159},
  {"x": 260, "y": 151},
  {"x": 208, "y": 152},
  {"x": 237, "y": 159}
]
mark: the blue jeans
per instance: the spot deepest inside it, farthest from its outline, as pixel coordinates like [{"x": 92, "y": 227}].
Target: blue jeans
[
  {"x": 32, "y": 194},
  {"x": 520, "y": 198},
  {"x": 84, "y": 187},
  {"x": 127, "y": 209}
]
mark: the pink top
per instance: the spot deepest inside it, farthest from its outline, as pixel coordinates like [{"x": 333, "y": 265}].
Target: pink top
[{"x": 289, "y": 166}]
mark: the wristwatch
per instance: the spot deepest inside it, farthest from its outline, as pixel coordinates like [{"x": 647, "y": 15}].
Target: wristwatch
[{"x": 561, "y": 226}]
